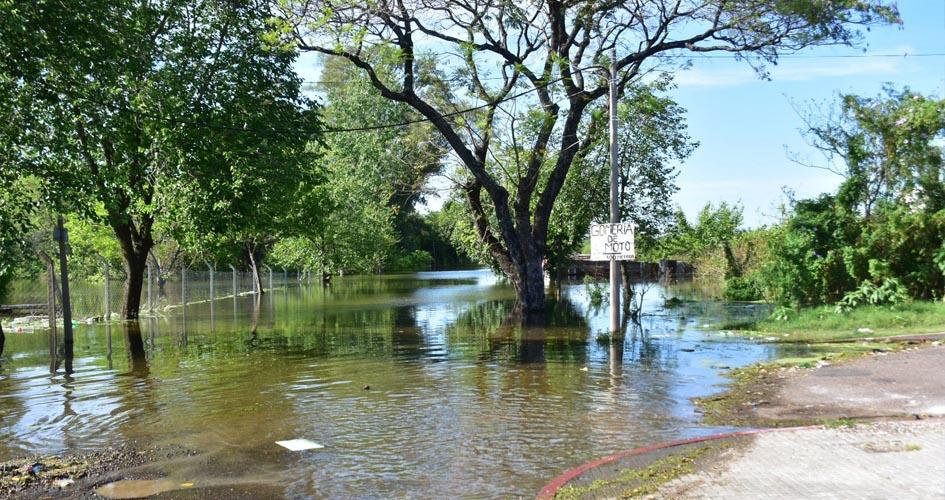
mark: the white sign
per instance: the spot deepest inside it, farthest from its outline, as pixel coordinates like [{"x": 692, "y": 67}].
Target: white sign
[{"x": 612, "y": 241}]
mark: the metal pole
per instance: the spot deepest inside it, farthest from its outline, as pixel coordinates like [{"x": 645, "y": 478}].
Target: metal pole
[
  {"x": 234, "y": 281},
  {"x": 270, "y": 278},
  {"x": 210, "y": 268},
  {"x": 614, "y": 209},
  {"x": 150, "y": 280},
  {"x": 108, "y": 295},
  {"x": 62, "y": 236},
  {"x": 183, "y": 285},
  {"x": 51, "y": 304},
  {"x": 234, "y": 293},
  {"x": 285, "y": 279}
]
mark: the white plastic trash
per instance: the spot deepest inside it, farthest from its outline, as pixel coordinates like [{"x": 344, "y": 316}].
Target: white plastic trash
[{"x": 299, "y": 444}]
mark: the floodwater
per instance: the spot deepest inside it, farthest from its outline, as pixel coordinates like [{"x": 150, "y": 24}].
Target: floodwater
[{"x": 416, "y": 385}]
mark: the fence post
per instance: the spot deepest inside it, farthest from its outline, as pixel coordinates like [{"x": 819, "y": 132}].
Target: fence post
[
  {"x": 51, "y": 311},
  {"x": 108, "y": 295},
  {"x": 212, "y": 297},
  {"x": 234, "y": 293},
  {"x": 210, "y": 268},
  {"x": 150, "y": 300}
]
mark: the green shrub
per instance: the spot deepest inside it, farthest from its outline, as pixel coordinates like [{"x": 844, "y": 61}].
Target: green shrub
[
  {"x": 742, "y": 289},
  {"x": 418, "y": 260},
  {"x": 596, "y": 291},
  {"x": 890, "y": 291}
]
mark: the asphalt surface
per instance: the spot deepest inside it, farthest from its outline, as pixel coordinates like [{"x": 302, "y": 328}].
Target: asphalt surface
[{"x": 902, "y": 384}]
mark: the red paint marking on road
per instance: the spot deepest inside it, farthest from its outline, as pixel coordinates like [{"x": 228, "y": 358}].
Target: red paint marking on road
[{"x": 549, "y": 491}]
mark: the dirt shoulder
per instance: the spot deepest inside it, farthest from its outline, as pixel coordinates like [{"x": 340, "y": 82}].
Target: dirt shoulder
[
  {"x": 906, "y": 384},
  {"x": 71, "y": 475}
]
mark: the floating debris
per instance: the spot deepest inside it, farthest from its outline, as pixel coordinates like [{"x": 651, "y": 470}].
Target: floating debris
[
  {"x": 299, "y": 444},
  {"x": 63, "y": 483}
]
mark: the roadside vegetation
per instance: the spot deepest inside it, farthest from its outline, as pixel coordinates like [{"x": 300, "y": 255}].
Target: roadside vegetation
[
  {"x": 824, "y": 323},
  {"x": 866, "y": 260}
]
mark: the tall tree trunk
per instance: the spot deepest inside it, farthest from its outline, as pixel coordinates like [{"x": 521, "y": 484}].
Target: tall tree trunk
[
  {"x": 135, "y": 268},
  {"x": 135, "y": 249},
  {"x": 531, "y": 287},
  {"x": 3, "y": 339}
]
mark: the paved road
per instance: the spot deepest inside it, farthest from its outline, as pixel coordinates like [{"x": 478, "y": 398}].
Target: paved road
[
  {"x": 904, "y": 459},
  {"x": 888, "y": 385}
]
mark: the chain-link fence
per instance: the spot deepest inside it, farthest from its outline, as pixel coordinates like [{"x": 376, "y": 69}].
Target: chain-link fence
[{"x": 31, "y": 302}]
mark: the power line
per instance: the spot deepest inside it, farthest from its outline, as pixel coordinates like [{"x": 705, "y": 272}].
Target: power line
[
  {"x": 904, "y": 55},
  {"x": 405, "y": 123},
  {"x": 812, "y": 56}
]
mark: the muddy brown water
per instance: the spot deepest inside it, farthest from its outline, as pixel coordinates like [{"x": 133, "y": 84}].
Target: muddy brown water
[{"x": 417, "y": 385}]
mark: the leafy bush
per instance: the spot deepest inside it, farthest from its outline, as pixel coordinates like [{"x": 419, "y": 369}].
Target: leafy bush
[
  {"x": 596, "y": 291},
  {"x": 418, "y": 260},
  {"x": 890, "y": 291},
  {"x": 742, "y": 289}
]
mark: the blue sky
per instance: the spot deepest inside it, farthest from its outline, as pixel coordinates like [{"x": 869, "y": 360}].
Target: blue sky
[{"x": 746, "y": 126}]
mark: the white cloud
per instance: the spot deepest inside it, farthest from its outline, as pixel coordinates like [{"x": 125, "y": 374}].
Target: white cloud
[{"x": 733, "y": 73}]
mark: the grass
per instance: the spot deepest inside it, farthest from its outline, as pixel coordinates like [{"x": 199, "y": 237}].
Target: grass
[
  {"x": 839, "y": 423},
  {"x": 632, "y": 482},
  {"x": 822, "y": 323}
]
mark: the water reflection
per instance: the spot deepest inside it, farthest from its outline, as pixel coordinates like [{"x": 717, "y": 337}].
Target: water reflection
[
  {"x": 134, "y": 346},
  {"x": 413, "y": 383}
]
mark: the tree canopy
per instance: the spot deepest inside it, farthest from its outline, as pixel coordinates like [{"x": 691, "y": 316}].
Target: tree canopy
[
  {"x": 496, "y": 53},
  {"x": 140, "y": 114}
]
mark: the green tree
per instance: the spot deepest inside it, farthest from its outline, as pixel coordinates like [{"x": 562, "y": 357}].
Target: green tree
[
  {"x": 652, "y": 138},
  {"x": 15, "y": 217},
  {"x": 391, "y": 165},
  {"x": 552, "y": 52},
  {"x": 889, "y": 147},
  {"x": 884, "y": 229},
  {"x": 142, "y": 113}
]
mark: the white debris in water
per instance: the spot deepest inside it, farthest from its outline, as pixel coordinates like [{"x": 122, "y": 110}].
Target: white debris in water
[
  {"x": 299, "y": 444},
  {"x": 864, "y": 330},
  {"x": 63, "y": 483}
]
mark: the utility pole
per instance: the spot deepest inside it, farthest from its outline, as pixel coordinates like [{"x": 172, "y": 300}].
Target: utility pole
[
  {"x": 614, "y": 209},
  {"x": 62, "y": 237}
]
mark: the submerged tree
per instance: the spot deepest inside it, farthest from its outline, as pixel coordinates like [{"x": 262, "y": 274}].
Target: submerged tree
[
  {"x": 148, "y": 112},
  {"x": 553, "y": 52}
]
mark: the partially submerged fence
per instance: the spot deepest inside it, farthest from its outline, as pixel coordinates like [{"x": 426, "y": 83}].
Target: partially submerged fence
[{"x": 32, "y": 302}]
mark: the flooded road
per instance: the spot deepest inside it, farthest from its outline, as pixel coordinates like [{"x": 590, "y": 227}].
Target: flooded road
[{"x": 417, "y": 385}]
